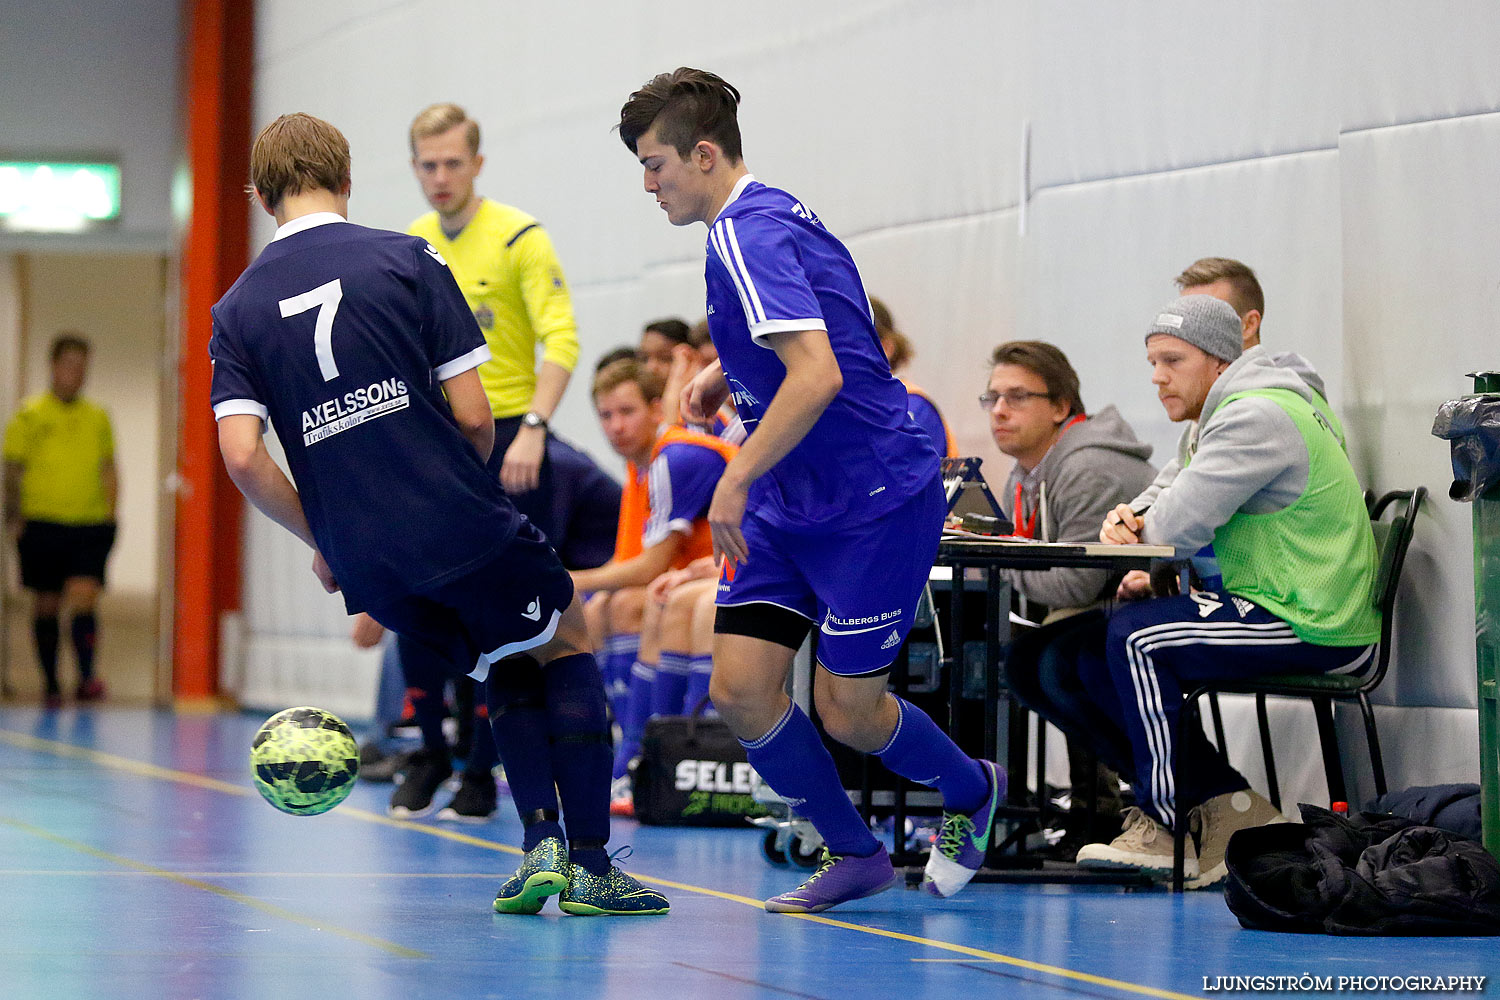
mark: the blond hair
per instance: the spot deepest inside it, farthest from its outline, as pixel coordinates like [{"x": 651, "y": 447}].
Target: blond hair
[
  {"x": 298, "y": 153},
  {"x": 436, "y": 119}
]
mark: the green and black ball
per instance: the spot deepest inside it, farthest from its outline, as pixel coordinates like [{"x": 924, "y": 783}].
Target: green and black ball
[{"x": 304, "y": 761}]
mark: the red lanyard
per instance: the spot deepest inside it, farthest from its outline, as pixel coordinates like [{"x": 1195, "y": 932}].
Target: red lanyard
[{"x": 1025, "y": 527}]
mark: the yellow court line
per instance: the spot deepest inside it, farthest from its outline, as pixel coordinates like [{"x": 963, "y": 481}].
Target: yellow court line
[
  {"x": 96, "y": 872},
  {"x": 58, "y": 749},
  {"x": 270, "y": 909},
  {"x": 165, "y": 774}
]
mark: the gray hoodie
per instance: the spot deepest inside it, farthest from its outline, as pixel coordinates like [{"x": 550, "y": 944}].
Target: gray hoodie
[
  {"x": 1091, "y": 468},
  {"x": 1289, "y": 360},
  {"x": 1248, "y": 456}
]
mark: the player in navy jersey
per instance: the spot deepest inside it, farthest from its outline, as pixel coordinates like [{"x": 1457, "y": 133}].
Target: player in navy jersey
[
  {"x": 830, "y": 513},
  {"x": 358, "y": 348}
]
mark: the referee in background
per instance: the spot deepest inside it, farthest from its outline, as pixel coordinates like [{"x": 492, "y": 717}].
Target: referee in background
[{"x": 61, "y": 493}]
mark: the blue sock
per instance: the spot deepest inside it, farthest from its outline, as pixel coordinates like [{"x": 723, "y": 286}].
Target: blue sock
[
  {"x": 620, "y": 651},
  {"x": 791, "y": 759},
  {"x": 671, "y": 684},
  {"x": 517, "y": 701},
  {"x": 594, "y": 859},
  {"x": 482, "y": 756},
  {"x": 426, "y": 676},
  {"x": 580, "y": 744},
  {"x": 920, "y": 751},
  {"x": 633, "y": 726},
  {"x": 539, "y": 829},
  {"x": 700, "y": 669}
]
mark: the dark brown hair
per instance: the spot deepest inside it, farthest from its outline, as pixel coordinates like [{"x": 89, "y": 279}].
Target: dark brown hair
[
  {"x": 298, "y": 153},
  {"x": 698, "y": 335},
  {"x": 897, "y": 346},
  {"x": 672, "y": 328},
  {"x": 686, "y": 106},
  {"x": 70, "y": 340},
  {"x": 1048, "y": 364},
  {"x": 1246, "y": 295},
  {"x": 622, "y": 353}
]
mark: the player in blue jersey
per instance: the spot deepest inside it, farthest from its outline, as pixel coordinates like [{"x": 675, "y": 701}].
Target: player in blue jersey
[
  {"x": 358, "y": 348},
  {"x": 829, "y": 514}
]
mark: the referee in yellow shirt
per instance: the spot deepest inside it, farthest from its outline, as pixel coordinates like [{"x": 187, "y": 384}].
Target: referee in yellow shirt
[
  {"x": 509, "y": 274},
  {"x": 61, "y": 492},
  {"x": 505, "y": 265}
]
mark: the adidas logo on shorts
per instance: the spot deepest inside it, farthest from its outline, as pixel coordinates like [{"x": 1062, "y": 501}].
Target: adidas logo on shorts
[{"x": 892, "y": 641}]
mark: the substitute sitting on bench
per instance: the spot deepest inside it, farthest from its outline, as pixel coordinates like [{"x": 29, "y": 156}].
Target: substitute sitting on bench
[{"x": 1266, "y": 481}]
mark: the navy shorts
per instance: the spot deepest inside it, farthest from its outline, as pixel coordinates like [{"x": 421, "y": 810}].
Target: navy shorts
[
  {"x": 861, "y": 583},
  {"x": 507, "y": 606},
  {"x": 51, "y": 554},
  {"x": 535, "y": 504}
]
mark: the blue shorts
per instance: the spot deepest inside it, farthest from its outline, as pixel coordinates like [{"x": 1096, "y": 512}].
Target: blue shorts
[
  {"x": 862, "y": 583},
  {"x": 507, "y": 606}
]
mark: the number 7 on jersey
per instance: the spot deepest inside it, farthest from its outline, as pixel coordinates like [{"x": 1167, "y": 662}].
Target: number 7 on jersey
[{"x": 325, "y": 298}]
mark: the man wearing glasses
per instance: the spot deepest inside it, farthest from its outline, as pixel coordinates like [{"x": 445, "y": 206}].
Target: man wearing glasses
[{"x": 1071, "y": 468}]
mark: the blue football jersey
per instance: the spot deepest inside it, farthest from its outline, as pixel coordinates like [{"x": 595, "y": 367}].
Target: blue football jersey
[
  {"x": 773, "y": 268},
  {"x": 340, "y": 336},
  {"x": 680, "y": 485}
]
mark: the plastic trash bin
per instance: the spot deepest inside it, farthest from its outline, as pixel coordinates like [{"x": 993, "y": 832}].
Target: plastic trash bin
[{"x": 1472, "y": 425}]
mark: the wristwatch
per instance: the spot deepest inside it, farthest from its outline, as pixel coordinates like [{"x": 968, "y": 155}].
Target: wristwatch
[{"x": 531, "y": 418}]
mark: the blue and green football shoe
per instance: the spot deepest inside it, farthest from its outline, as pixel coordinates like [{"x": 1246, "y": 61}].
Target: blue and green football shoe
[
  {"x": 543, "y": 873},
  {"x": 612, "y": 895}
]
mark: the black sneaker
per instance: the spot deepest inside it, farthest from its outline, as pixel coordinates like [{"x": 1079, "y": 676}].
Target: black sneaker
[
  {"x": 385, "y": 767},
  {"x": 404, "y": 728},
  {"x": 423, "y": 775},
  {"x": 475, "y": 801}
]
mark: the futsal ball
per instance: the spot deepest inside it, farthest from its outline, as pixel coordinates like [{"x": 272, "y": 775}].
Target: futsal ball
[{"x": 304, "y": 761}]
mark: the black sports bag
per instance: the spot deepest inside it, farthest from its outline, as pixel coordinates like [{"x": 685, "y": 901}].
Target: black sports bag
[{"x": 693, "y": 772}]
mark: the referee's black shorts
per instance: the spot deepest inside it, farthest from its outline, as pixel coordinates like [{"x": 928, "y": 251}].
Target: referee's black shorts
[{"x": 52, "y": 554}]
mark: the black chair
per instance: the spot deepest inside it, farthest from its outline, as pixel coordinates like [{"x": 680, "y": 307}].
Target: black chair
[{"x": 1392, "y": 537}]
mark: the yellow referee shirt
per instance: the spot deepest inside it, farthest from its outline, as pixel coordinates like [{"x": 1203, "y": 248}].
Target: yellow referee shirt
[
  {"x": 506, "y": 267},
  {"x": 61, "y": 448}
]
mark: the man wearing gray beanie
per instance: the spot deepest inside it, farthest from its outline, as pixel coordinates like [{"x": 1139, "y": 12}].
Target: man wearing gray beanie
[
  {"x": 1267, "y": 482},
  {"x": 1233, "y": 282},
  {"x": 1209, "y": 324}
]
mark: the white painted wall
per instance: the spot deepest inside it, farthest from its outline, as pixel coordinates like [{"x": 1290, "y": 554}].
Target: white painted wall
[{"x": 1342, "y": 149}]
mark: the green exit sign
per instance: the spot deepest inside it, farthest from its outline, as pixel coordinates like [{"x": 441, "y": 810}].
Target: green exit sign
[{"x": 38, "y": 196}]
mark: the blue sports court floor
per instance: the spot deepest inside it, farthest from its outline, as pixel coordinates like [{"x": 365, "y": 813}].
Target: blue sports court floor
[{"x": 136, "y": 860}]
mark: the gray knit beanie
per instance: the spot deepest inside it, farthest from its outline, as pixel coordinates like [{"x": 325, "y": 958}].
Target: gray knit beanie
[{"x": 1207, "y": 323}]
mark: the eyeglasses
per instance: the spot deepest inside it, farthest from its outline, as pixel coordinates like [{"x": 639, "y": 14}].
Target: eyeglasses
[{"x": 1013, "y": 398}]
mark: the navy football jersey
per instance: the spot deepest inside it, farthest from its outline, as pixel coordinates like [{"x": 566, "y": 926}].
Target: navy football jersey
[
  {"x": 773, "y": 268},
  {"x": 340, "y": 336}
]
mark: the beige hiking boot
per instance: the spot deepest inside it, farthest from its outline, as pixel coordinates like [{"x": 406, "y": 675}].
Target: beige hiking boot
[
  {"x": 1216, "y": 821},
  {"x": 1145, "y": 845}
]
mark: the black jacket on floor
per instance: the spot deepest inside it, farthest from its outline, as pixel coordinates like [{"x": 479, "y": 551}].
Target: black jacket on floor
[{"x": 1374, "y": 874}]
